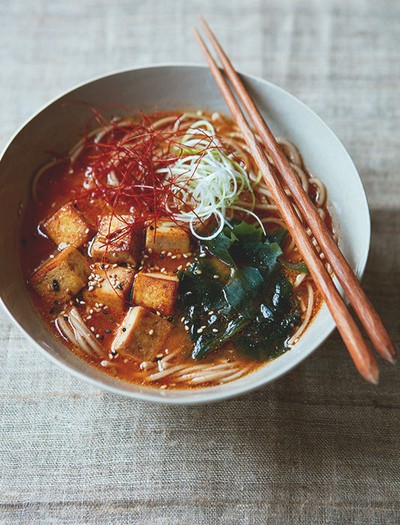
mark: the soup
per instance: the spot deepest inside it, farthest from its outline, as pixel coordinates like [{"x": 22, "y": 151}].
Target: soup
[{"x": 154, "y": 251}]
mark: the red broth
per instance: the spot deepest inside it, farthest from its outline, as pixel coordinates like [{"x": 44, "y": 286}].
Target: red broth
[{"x": 67, "y": 182}]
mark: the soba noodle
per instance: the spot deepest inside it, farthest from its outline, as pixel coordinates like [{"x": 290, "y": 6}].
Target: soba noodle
[{"x": 215, "y": 181}]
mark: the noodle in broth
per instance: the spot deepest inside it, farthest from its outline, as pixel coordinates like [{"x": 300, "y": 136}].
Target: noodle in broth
[{"x": 194, "y": 172}]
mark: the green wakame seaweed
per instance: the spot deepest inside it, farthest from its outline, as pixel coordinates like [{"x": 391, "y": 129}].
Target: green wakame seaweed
[{"x": 253, "y": 307}]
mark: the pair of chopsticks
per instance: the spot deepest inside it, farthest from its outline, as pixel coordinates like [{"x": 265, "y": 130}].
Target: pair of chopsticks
[{"x": 359, "y": 350}]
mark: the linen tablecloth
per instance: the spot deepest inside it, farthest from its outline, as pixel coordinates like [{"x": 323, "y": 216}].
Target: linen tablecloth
[{"x": 318, "y": 446}]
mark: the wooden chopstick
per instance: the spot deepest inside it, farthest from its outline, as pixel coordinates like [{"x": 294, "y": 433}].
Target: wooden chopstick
[
  {"x": 366, "y": 312},
  {"x": 361, "y": 354}
]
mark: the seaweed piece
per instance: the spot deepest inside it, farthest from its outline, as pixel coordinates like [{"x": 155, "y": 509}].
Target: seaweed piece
[
  {"x": 300, "y": 267},
  {"x": 252, "y": 307}
]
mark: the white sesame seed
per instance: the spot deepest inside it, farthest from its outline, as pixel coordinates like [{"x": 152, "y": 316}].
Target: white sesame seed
[
  {"x": 169, "y": 254},
  {"x": 151, "y": 332},
  {"x": 203, "y": 255},
  {"x": 173, "y": 257},
  {"x": 186, "y": 327},
  {"x": 200, "y": 330},
  {"x": 214, "y": 330},
  {"x": 210, "y": 312},
  {"x": 92, "y": 329},
  {"x": 216, "y": 276},
  {"x": 180, "y": 267},
  {"x": 183, "y": 319}
]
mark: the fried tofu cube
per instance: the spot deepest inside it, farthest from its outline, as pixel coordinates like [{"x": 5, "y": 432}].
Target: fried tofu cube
[
  {"x": 67, "y": 226},
  {"x": 116, "y": 242},
  {"x": 156, "y": 291},
  {"x": 166, "y": 236},
  {"x": 142, "y": 334},
  {"x": 62, "y": 276},
  {"x": 109, "y": 286}
]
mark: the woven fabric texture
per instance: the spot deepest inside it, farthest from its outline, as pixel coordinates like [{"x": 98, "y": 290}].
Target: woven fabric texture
[{"x": 320, "y": 446}]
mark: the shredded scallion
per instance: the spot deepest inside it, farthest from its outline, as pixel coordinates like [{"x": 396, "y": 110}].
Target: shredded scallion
[{"x": 206, "y": 180}]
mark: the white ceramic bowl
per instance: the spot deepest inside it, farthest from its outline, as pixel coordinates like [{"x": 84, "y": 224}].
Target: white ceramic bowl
[{"x": 57, "y": 126}]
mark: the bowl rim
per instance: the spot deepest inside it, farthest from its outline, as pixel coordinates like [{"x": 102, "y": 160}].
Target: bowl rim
[{"x": 212, "y": 396}]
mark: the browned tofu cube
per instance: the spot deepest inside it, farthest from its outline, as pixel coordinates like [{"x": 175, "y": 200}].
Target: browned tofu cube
[
  {"x": 156, "y": 291},
  {"x": 62, "y": 276},
  {"x": 68, "y": 226},
  {"x": 142, "y": 334},
  {"x": 166, "y": 236},
  {"x": 109, "y": 286},
  {"x": 116, "y": 241}
]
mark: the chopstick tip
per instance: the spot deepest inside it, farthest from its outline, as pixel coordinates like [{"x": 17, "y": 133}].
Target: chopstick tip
[
  {"x": 387, "y": 351},
  {"x": 372, "y": 376},
  {"x": 203, "y": 21},
  {"x": 391, "y": 358}
]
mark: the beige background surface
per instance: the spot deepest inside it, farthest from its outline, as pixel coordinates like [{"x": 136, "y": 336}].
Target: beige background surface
[{"x": 319, "y": 446}]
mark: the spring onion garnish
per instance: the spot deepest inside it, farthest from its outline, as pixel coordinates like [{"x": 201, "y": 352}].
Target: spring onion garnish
[{"x": 207, "y": 180}]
